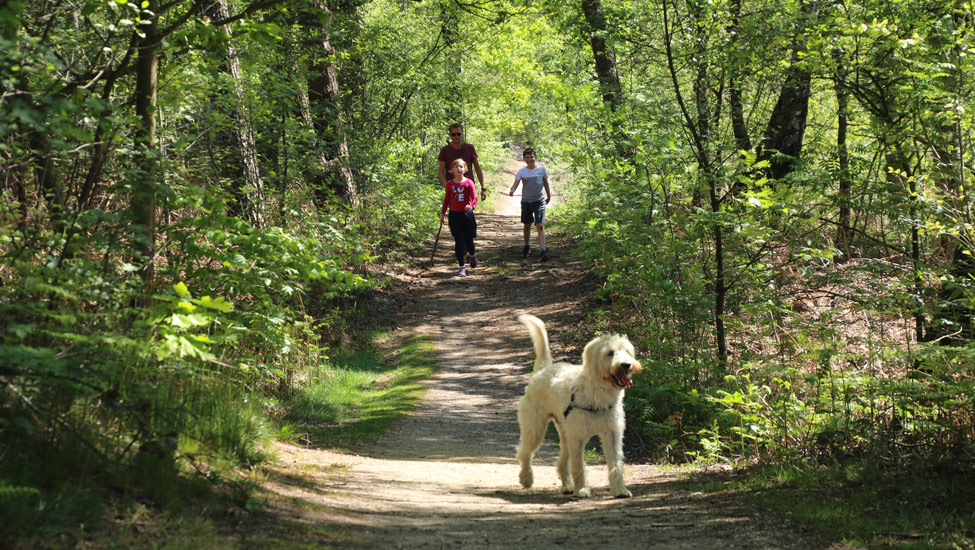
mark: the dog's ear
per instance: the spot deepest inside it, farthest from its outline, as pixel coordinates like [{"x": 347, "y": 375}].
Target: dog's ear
[{"x": 590, "y": 354}]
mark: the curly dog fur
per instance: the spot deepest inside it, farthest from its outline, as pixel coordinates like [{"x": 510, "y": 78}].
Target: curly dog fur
[{"x": 583, "y": 401}]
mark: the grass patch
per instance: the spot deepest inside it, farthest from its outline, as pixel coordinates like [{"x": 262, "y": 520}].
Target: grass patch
[
  {"x": 926, "y": 505},
  {"x": 362, "y": 391}
]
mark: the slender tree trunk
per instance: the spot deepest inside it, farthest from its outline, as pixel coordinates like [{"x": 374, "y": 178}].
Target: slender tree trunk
[
  {"x": 10, "y": 21},
  {"x": 606, "y": 72},
  {"x": 843, "y": 156},
  {"x": 237, "y": 145},
  {"x": 42, "y": 158},
  {"x": 335, "y": 175},
  {"x": 352, "y": 74},
  {"x": 736, "y": 107},
  {"x": 899, "y": 176},
  {"x": 699, "y": 126},
  {"x": 143, "y": 206},
  {"x": 953, "y": 321}
]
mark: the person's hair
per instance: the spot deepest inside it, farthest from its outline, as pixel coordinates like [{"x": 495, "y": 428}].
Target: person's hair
[
  {"x": 452, "y": 164},
  {"x": 527, "y": 152},
  {"x": 455, "y": 125}
]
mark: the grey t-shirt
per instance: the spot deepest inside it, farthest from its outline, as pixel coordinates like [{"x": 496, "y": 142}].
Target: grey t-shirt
[{"x": 533, "y": 182}]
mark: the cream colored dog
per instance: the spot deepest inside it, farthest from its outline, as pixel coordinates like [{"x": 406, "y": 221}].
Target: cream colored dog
[{"x": 583, "y": 401}]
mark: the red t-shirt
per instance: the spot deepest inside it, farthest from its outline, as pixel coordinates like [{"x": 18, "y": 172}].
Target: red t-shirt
[
  {"x": 459, "y": 195},
  {"x": 467, "y": 152}
]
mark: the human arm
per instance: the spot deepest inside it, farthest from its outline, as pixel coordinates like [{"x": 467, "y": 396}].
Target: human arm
[
  {"x": 442, "y": 173},
  {"x": 472, "y": 203},
  {"x": 480, "y": 176},
  {"x": 548, "y": 191},
  {"x": 446, "y": 203},
  {"x": 514, "y": 186}
]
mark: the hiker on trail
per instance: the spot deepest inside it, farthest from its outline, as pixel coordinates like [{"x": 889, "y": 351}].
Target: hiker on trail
[
  {"x": 459, "y": 149},
  {"x": 461, "y": 199},
  {"x": 535, "y": 180}
]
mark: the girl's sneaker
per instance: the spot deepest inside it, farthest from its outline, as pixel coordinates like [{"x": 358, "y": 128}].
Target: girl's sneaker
[
  {"x": 544, "y": 256},
  {"x": 462, "y": 273},
  {"x": 525, "y": 251},
  {"x": 473, "y": 261}
]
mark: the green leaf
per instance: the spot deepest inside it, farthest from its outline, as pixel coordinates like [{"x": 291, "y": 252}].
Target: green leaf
[{"x": 219, "y": 304}]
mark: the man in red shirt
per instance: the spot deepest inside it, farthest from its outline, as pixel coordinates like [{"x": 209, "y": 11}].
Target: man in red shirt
[{"x": 459, "y": 149}]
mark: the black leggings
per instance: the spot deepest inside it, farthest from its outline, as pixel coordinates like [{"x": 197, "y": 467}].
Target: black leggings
[{"x": 463, "y": 227}]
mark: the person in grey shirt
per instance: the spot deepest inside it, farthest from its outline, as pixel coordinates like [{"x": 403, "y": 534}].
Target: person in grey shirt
[{"x": 535, "y": 180}]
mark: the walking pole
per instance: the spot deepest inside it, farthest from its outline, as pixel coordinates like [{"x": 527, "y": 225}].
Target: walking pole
[{"x": 437, "y": 240}]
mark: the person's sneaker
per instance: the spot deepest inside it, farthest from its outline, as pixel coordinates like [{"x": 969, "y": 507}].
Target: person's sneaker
[
  {"x": 473, "y": 261},
  {"x": 525, "y": 251},
  {"x": 544, "y": 256},
  {"x": 462, "y": 273}
]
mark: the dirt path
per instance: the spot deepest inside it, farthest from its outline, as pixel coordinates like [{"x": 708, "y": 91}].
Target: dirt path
[{"x": 445, "y": 477}]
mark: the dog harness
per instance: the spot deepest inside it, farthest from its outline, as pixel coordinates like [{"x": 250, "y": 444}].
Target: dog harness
[{"x": 572, "y": 405}]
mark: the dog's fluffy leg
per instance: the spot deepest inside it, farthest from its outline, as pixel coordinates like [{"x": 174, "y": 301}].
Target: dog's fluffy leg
[
  {"x": 536, "y": 328},
  {"x": 563, "y": 465},
  {"x": 613, "y": 449},
  {"x": 533, "y": 426},
  {"x": 576, "y": 449}
]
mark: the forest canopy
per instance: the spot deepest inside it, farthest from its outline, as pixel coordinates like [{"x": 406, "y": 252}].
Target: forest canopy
[{"x": 773, "y": 193}]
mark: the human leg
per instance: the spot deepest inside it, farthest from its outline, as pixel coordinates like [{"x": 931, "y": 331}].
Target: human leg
[
  {"x": 527, "y": 218},
  {"x": 470, "y": 230},
  {"x": 455, "y": 221},
  {"x": 539, "y": 215}
]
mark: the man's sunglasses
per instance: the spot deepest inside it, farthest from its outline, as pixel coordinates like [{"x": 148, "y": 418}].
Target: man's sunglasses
[{"x": 456, "y": 133}]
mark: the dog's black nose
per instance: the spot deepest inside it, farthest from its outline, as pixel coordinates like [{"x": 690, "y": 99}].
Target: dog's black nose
[{"x": 626, "y": 366}]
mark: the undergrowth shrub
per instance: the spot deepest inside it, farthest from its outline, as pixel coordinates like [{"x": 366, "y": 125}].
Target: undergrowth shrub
[
  {"x": 106, "y": 389},
  {"x": 821, "y": 363}
]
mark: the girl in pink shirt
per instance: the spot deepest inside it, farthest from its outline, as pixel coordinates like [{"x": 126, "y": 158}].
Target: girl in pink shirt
[{"x": 461, "y": 199}]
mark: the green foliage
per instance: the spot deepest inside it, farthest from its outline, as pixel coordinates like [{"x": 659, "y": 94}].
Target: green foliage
[
  {"x": 360, "y": 393},
  {"x": 867, "y": 504},
  {"x": 846, "y": 336}
]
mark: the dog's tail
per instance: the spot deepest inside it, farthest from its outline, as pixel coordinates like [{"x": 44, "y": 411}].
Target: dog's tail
[{"x": 543, "y": 357}]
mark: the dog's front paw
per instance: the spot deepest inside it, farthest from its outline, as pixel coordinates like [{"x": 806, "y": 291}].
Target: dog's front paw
[
  {"x": 583, "y": 493},
  {"x": 625, "y": 493},
  {"x": 567, "y": 489},
  {"x": 527, "y": 478}
]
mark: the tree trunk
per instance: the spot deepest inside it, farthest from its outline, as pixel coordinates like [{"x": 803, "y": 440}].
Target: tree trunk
[
  {"x": 352, "y": 74},
  {"x": 953, "y": 321},
  {"x": 738, "y": 126},
  {"x": 782, "y": 141},
  {"x": 237, "y": 145},
  {"x": 606, "y": 73},
  {"x": 143, "y": 206},
  {"x": 42, "y": 157},
  {"x": 843, "y": 156},
  {"x": 899, "y": 175},
  {"x": 334, "y": 176},
  {"x": 699, "y": 126}
]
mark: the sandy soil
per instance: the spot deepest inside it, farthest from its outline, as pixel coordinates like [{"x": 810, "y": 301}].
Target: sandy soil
[{"x": 445, "y": 476}]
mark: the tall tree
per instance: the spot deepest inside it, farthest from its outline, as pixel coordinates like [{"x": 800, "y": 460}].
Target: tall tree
[
  {"x": 239, "y": 165},
  {"x": 603, "y": 55},
  {"x": 844, "y": 179},
  {"x": 334, "y": 175},
  {"x": 699, "y": 124},
  {"x": 143, "y": 200},
  {"x": 781, "y": 142}
]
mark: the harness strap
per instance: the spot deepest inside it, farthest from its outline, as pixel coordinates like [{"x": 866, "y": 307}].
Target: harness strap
[{"x": 572, "y": 405}]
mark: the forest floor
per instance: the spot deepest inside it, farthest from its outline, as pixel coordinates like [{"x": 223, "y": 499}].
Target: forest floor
[{"x": 445, "y": 476}]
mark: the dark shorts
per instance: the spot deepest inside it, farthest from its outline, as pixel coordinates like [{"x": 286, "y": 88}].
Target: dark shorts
[{"x": 533, "y": 212}]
